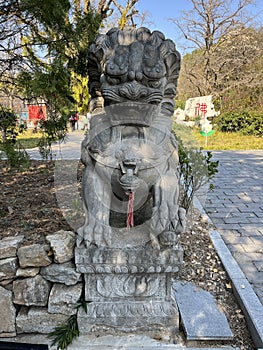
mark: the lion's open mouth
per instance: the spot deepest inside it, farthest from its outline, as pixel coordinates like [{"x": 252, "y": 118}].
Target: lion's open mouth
[
  {"x": 132, "y": 113},
  {"x": 127, "y": 92}
]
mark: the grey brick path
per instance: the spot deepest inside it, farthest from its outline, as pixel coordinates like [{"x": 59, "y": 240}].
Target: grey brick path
[{"x": 236, "y": 208}]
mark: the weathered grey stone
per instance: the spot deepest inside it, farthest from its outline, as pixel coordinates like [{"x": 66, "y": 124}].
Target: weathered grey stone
[
  {"x": 201, "y": 317},
  {"x": 31, "y": 291},
  {"x": 61, "y": 273},
  {"x": 63, "y": 299},
  {"x": 34, "y": 255},
  {"x": 128, "y": 260},
  {"x": 27, "y": 272},
  {"x": 128, "y": 247},
  {"x": 126, "y": 167},
  {"x": 127, "y": 316},
  {"x": 8, "y": 312},
  {"x": 132, "y": 342},
  {"x": 8, "y": 284},
  {"x": 37, "y": 320},
  {"x": 9, "y": 245},
  {"x": 62, "y": 244},
  {"x": 8, "y": 268}
]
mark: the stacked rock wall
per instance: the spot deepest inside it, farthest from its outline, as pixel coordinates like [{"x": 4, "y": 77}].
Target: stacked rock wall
[{"x": 39, "y": 285}]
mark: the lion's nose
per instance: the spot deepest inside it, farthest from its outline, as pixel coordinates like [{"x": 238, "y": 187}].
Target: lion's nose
[{"x": 135, "y": 75}]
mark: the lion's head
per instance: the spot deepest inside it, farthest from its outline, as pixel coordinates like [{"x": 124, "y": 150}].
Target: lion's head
[{"x": 134, "y": 65}]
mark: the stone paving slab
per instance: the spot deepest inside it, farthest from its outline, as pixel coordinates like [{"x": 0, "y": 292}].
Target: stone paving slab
[
  {"x": 201, "y": 318},
  {"x": 110, "y": 342},
  {"x": 130, "y": 343}
]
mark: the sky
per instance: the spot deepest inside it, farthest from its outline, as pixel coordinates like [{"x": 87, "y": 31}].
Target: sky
[{"x": 160, "y": 11}]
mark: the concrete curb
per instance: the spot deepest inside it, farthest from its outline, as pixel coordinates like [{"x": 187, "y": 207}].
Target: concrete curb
[{"x": 246, "y": 297}]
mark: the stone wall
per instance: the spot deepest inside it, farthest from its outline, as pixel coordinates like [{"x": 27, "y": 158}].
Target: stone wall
[{"x": 39, "y": 284}]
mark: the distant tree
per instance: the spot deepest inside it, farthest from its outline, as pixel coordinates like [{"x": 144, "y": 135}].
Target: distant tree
[
  {"x": 226, "y": 48},
  {"x": 126, "y": 12}
]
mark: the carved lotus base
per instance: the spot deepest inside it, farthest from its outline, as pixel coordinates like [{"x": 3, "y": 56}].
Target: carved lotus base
[
  {"x": 129, "y": 289},
  {"x": 129, "y": 316}
]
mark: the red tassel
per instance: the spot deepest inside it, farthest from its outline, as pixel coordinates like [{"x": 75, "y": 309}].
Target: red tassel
[{"x": 130, "y": 220}]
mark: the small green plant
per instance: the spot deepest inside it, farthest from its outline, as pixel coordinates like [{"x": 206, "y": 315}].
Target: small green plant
[
  {"x": 44, "y": 147},
  {"x": 64, "y": 334},
  {"x": 53, "y": 129},
  {"x": 195, "y": 170},
  {"x": 16, "y": 155}
]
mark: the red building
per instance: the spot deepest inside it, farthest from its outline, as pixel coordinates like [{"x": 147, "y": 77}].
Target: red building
[{"x": 36, "y": 113}]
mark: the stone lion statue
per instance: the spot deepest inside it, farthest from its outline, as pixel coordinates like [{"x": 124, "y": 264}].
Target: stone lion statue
[{"x": 130, "y": 185}]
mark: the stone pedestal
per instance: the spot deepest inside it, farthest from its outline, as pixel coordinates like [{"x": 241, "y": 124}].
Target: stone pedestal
[{"x": 129, "y": 289}]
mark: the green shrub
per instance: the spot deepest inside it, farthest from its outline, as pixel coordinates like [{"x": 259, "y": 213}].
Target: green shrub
[
  {"x": 195, "y": 170},
  {"x": 7, "y": 125},
  {"x": 244, "y": 122},
  {"x": 53, "y": 129},
  {"x": 16, "y": 155}
]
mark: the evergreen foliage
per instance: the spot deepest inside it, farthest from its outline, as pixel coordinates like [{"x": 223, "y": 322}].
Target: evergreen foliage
[{"x": 247, "y": 123}]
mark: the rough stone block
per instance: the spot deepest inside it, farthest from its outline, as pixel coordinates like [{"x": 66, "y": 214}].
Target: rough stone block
[
  {"x": 8, "y": 268},
  {"x": 201, "y": 318},
  {"x": 34, "y": 255},
  {"x": 9, "y": 245},
  {"x": 61, "y": 273},
  {"x": 8, "y": 312},
  {"x": 31, "y": 291},
  {"x": 27, "y": 272},
  {"x": 63, "y": 299},
  {"x": 8, "y": 284},
  {"x": 62, "y": 244},
  {"x": 38, "y": 320}
]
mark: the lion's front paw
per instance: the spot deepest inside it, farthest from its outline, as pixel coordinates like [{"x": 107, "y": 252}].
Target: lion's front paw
[
  {"x": 164, "y": 216},
  {"x": 169, "y": 239},
  {"x": 96, "y": 233}
]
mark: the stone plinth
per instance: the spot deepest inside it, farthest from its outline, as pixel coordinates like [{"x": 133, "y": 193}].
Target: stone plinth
[{"x": 129, "y": 288}]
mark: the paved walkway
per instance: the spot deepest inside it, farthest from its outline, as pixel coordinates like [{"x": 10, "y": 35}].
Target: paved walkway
[
  {"x": 69, "y": 149},
  {"x": 236, "y": 208}
]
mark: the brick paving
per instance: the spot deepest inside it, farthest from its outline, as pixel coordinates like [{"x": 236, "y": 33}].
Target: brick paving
[{"x": 236, "y": 208}]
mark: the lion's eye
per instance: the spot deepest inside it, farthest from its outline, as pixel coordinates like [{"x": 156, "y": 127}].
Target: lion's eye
[
  {"x": 154, "y": 83},
  {"x": 113, "y": 81}
]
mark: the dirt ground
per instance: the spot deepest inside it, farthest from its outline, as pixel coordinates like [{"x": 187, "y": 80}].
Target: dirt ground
[{"x": 28, "y": 206}]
